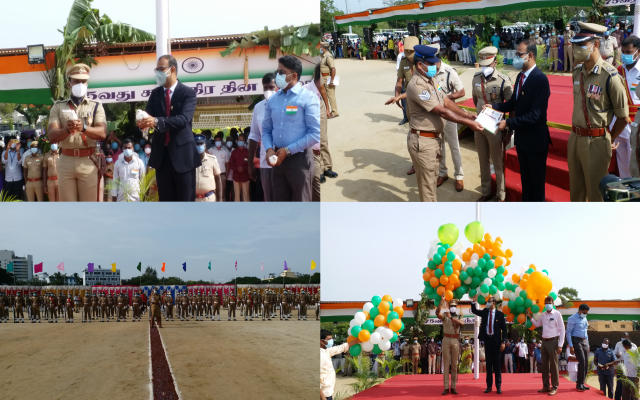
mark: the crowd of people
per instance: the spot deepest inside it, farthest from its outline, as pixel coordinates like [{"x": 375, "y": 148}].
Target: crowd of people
[{"x": 267, "y": 304}]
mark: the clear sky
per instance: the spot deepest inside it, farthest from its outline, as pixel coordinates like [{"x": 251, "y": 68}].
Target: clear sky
[
  {"x": 380, "y": 248},
  {"x": 29, "y": 22},
  {"x": 153, "y": 233}
]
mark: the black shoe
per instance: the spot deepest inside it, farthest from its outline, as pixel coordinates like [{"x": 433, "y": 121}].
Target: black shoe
[
  {"x": 446, "y": 391},
  {"x": 329, "y": 173},
  {"x": 322, "y": 179},
  {"x": 499, "y": 391},
  {"x": 404, "y": 121},
  {"x": 454, "y": 391},
  {"x": 488, "y": 390},
  {"x": 586, "y": 387},
  {"x": 580, "y": 388}
]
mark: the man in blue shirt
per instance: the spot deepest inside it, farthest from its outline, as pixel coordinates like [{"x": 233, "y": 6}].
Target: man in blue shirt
[
  {"x": 605, "y": 361},
  {"x": 578, "y": 343},
  {"x": 290, "y": 128},
  {"x": 495, "y": 40}
]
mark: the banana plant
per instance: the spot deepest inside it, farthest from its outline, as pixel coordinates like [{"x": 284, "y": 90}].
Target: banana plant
[
  {"x": 86, "y": 26},
  {"x": 288, "y": 39}
]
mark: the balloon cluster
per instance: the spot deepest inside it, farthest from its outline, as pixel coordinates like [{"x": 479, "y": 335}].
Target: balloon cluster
[
  {"x": 526, "y": 292},
  {"x": 377, "y": 325}
]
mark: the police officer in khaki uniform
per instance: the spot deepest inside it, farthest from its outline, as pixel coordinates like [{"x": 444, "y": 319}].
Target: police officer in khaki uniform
[
  {"x": 405, "y": 72},
  {"x": 168, "y": 306},
  {"x": 598, "y": 95},
  {"x": 36, "y": 301},
  {"x": 137, "y": 304},
  {"x": 608, "y": 46},
  {"x": 554, "y": 42},
  {"x": 328, "y": 70},
  {"x": 538, "y": 40},
  {"x": 32, "y": 166},
  {"x": 490, "y": 86},
  {"x": 216, "y": 306},
  {"x": 18, "y": 312},
  {"x": 405, "y": 350},
  {"x": 94, "y": 307},
  {"x": 86, "y": 309},
  {"x": 78, "y": 165},
  {"x": 154, "y": 304},
  {"x": 568, "y": 48},
  {"x": 232, "y": 306},
  {"x": 208, "y": 174},
  {"x": 415, "y": 356},
  {"x": 429, "y": 107},
  {"x": 451, "y": 323}
]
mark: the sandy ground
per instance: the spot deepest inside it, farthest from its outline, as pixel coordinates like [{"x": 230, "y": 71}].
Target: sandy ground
[
  {"x": 369, "y": 148},
  {"x": 244, "y": 360},
  {"x": 55, "y": 361}
]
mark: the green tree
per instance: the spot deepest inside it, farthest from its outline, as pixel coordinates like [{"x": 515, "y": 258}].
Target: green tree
[
  {"x": 57, "y": 278},
  {"x": 569, "y": 293},
  {"x": 32, "y": 112},
  {"x": 6, "y": 278},
  {"x": 327, "y": 13}
]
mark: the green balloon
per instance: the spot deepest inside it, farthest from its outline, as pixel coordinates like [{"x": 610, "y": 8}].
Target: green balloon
[
  {"x": 500, "y": 270},
  {"x": 486, "y": 256},
  {"x": 469, "y": 271},
  {"x": 523, "y": 294},
  {"x": 437, "y": 300},
  {"x": 527, "y": 324},
  {"x": 375, "y": 300},
  {"x": 535, "y": 308},
  {"x": 446, "y": 246},
  {"x": 428, "y": 290},
  {"x": 424, "y": 270},
  {"x": 512, "y": 305},
  {"x": 376, "y": 349},
  {"x": 474, "y": 232},
  {"x": 481, "y": 300},
  {"x": 451, "y": 256},
  {"x": 521, "y": 309},
  {"x": 355, "y": 330},
  {"x": 448, "y": 270},
  {"x": 484, "y": 275},
  {"x": 442, "y": 251},
  {"x": 477, "y": 271},
  {"x": 374, "y": 312},
  {"x": 355, "y": 350},
  {"x": 448, "y": 234},
  {"x": 499, "y": 279},
  {"x": 482, "y": 263},
  {"x": 528, "y": 303},
  {"x": 484, "y": 288},
  {"x": 475, "y": 281},
  {"x": 546, "y": 272},
  {"x": 553, "y": 295},
  {"x": 434, "y": 296},
  {"x": 394, "y": 338},
  {"x": 501, "y": 286},
  {"x": 368, "y": 325},
  {"x": 437, "y": 258},
  {"x": 392, "y": 315},
  {"x": 472, "y": 292},
  {"x": 519, "y": 301},
  {"x": 402, "y": 327},
  {"x": 529, "y": 271},
  {"x": 490, "y": 264},
  {"x": 463, "y": 275},
  {"x": 447, "y": 264},
  {"x": 493, "y": 289},
  {"x": 432, "y": 265}
]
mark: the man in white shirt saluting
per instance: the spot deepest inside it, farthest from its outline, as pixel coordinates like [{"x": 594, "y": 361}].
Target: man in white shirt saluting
[
  {"x": 552, "y": 341},
  {"x": 327, "y": 373}
]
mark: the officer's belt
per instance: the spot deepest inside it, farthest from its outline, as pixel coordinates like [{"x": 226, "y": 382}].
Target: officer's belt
[
  {"x": 424, "y": 133},
  {"x": 202, "y": 196},
  {"x": 316, "y": 152},
  {"x": 327, "y": 74},
  {"x": 451, "y": 336},
  {"x": 52, "y": 178},
  {"x": 78, "y": 152},
  {"x": 34, "y": 179},
  {"x": 593, "y": 132}
]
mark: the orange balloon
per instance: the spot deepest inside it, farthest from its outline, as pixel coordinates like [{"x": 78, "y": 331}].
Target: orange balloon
[
  {"x": 510, "y": 317},
  {"x": 522, "y": 318},
  {"x": 498, "y": 251},
  {"x": 383, "y": 306},
  {"x": 444, "y": 279},
  {"x": 434, "y": 282},
  {"x": 490, "y": 251},
  {"x": 366, "y": 314},
  {"x": 498, "y": 261},
  {"x": 386, "y": 297},
  {"x": 508, "y": 253},
  {"x": 499, "y": 239},
  {"x": 448, "y": 287},
  {"x": 426, "y": 276},
  {"x": 487, "y": 236},
  {"x": 379, "y": 320},
  {"x": 394, "y": 325},
  {"x": 488, "y": 243},
  {"x": 508, "y": 262},
  {"x": 525, "y": 276},
  {"x": 506, "y": 309},
  {"x": 364, "y": 335},
  {"x": 466, "y": 256},
  {"x": 456, "y": 264},
  {"x": 399, "y": 310},
  {"x": 469, "y": 250},
  {"x": 506, "y": 272},
  {"x": 385, "y": 313},
  {"x": 532, "y": 327},
  {"x": 533, "y": 267},
  {"x": 448, "y": 295},
  {"x": 515, "y": 278},
  {"x": 440, "y": 290},
  {"x": 481, "y": 251},
  {"x": 524, "y": 283}
]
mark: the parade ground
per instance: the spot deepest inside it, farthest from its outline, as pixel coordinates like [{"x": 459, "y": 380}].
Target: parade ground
[
  {"x": 213, "y": 360},
  {"x": 369, "y": 148}
]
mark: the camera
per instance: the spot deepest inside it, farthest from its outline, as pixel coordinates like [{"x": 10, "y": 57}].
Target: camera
[{"x": 616, "y": 189}]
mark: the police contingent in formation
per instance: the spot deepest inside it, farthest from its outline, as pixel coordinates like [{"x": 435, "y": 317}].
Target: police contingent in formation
[{"x": 198, "y": 305}]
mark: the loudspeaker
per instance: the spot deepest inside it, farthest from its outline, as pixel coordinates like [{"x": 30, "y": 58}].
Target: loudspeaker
[
  {"x": 334, "y": 36},
  {"x": 368, "y": 37},
  {"x": 478, "y": 30},
  {"x": 414, "y": 29}
]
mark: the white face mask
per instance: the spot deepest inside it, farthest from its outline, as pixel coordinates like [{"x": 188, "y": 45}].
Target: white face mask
[
  {"x": 147, "y": 150},
  {"x": 452, "y": 310},
  {"x": 79, "y": 90},
  {"x": 604, "y": 346},
  {"x": 489, "y": 304},
  {"x": 229, "y": 144},
  {"x": 268, "y": 93},
  {"x": 34, "y": 150},
  {"x": 54, "y": 147},
  {"x": 487, "y": 71},
  {"x": 109, "y": 159}
]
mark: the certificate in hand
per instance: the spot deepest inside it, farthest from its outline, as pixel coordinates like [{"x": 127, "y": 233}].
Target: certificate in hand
[{"x": 489, "y": 119}]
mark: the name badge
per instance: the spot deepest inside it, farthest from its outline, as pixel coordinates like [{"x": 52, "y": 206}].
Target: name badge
[
  {"x": 576, "y": 83},
  {"x": 550, "y": 319},
  {"x": 477, "y": 84},
  {"x": 406, "y": 67}
]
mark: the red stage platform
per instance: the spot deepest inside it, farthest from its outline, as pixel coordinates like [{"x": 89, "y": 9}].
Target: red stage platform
[
  {"x": 557, "y": 182},
  {"x": 513, "y": 386}
]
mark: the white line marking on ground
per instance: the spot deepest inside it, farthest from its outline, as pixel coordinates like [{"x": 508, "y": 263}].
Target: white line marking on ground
[{"x": 175, "y": 382}]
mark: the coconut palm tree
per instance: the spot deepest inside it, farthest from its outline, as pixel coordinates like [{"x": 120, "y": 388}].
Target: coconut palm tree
[{"x": 85, "y": 26}]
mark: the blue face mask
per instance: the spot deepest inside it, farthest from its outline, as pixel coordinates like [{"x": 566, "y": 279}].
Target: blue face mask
[
  {"x": 518, "y": 63},
  {"x": 240, "y": 143},
  {"x": 128, "y": 152},
  {"x": 114, "y": 145},
  {"x": 629, "y": 30},
  {"x": 136, "y": 147},
  {"x": 549, "y": 307},
  {"x": 431, "y": 71},
  {"x": 200, "y": 148},
  {"x": 627, "y": 59},
  {"x": 329, "y": 343},
  {"x": 281, "y": 81}
]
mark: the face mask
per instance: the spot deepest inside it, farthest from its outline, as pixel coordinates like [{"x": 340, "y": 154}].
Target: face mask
[
  {"x": 431, "y": 340},
  {"x": 617, "y": 27},
  {"x": 136, "y": 147},
  {"x": 627, "y": 59},
  {"x": 431, "y": 71},
  {"x": 487, "y": 71},
  {"x": 452, "y": 310},
  {"x": 34, "y": 150},
  {"x": 161, "y": 77},
  {"x": 415, "y": 341},
  {"x": 29, "y": 144},
  {"x": 79, "y": 90},
  {"x": 54, "y": 147},
  {"x": 329, "y": 343},
  {"x": 114, "y": 145},
  {"x": 567, "y": 28},
  {"x": 518, "y": 63},
  {"x": 229, "y": 144},
  {"x": 218, "y": 143},
  {"x": 539, "y": 344},
  {"x": 582, "y": 53},
  {"x": 549, "y": 307},
  {"x": 281, "y": 81},
  {"x": 200, "y": 148},
  {"x": 142, "y": 142},
  {"x": 109, "y": 159},
  {"x": 466, "y": 341},
  {"x": 537, "y": 36},
  {"x": 13, "y": 145},
  {"x": 240, "y": 143},
  {"x": 147, "y": 150},
  {"x": 604, "y": 346},
  {"x": 583, "y": 316},
  {"x": 128, "y": 152},
  {"x": 268, "y": 93},
  {"x": 522, "y": 341},
  {"x": 629, "y": 30},
  {"x": 489, "y": 304},
  {"x": 553, "y": 34}
]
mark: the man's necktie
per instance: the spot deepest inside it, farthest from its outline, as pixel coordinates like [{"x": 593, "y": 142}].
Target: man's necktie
[
  {"x": 489, "y": 322},
  {"x": 167, "y": 102},
  {"x": 520, "y": 84}
]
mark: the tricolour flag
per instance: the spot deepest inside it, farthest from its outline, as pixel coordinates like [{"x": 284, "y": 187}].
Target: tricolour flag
[
  {"x": 292, "y": 109},
  {"x": 37, "y": 268},
  {"x": 113, "y": 267},
  {"x": 163, "y": 267},
  {"x": 184, "y": 266},
  {"x": 285, "y": 266},
  {"x": 313, "y": 264},
  {"x": 90, "y": 267},
  {"x": 61, "y": 267},
  {"x": 139, "y": 266},
  {"x": 209, "y": 265},
  {"x": 10, "y": 267}
]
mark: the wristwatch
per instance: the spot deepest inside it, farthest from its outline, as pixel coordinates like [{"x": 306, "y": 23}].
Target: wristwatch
[
  {"x": 84, "y": 126},
  {"x": 155, "y": 122},
  {"x": 286, "y": 149}
]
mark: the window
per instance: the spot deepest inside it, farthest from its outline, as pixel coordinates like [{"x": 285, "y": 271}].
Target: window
[
  {"x": 622, "y": 326},
  {"x": 606, "y": 326}
]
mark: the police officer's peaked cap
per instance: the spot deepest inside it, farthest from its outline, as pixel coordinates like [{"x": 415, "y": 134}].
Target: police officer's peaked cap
[
  {"x": 453, "y": 302},
  {"x": 426, "y": 52},
  {"x": 487, "y": 56},
  {"x": 586, "y": 31},
  {"x": 410, "y": 42},
  {"x": 78, "y": 71}
]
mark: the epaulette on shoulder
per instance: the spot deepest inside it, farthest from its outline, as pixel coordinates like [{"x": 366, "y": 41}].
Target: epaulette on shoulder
[
  {"x": 478, "y": 73},
  {"x": 611, "y": 70}
]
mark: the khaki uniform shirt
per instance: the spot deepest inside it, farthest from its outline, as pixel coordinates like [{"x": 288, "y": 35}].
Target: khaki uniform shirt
[
  {"x": 447, "y": 325},
  {"x": 568, "y": 35},
  {"x": 206, "y": 173},
  {"x": 327, "y": 63},
  {"x": 422, "y": 97},
  {"x": 415, "y": 350},
  {"x": 406, "y": 350},
  {"x": 33, "y": 164},
  {"x": 86, "y": 109},
  {"x": 405, "y": 71},
  {"x": 51, "y": 162},
  {"x": 497, "y": 89},
  {"x": 607, "y": 46},
  {"x": 602, "y": 110},
  {"x": 554, "y": 41},
  {"x": 538, "y": 41},
  {"x": 448, "y": 79}
]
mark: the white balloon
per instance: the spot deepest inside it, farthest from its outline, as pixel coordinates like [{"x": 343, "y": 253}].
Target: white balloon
[
  {"x": 385, "y": 345},
  {"x": 474, "y": 263},
  {"x": 468, "y": 280},
  {"x": 487, "y": 281},
  {"x": 360, "y": 317},
  {"x": 375, "y": 338},
  {"x": 388, "y": 334},
  {"x": 434, "y": 242},
  {"x": 367, "y": 306},
  {"x": 353, "y": 323},
  {"x": 475, "y": 256},
  {"x": 397, "y": 302},
  {"x": 367, "y": 346},
  {"x": 492, "y": 273},
  {"x": 513, "y": 296},
  {"x": 518, "y": 290},
  {"x": 349, "y": 331}
]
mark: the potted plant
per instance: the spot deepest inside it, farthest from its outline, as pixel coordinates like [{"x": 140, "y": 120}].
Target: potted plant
[{"x": 364, "y": 50}]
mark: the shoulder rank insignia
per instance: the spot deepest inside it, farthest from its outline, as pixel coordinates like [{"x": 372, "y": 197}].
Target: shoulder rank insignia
[{"x": 425, "y": 96}]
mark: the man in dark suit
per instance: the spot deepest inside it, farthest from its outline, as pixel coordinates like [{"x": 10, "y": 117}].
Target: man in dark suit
[
  {"x": 174, "y": 155},
  {"x": 493, "y": 332},
  {"x": 528, "y": 106}
]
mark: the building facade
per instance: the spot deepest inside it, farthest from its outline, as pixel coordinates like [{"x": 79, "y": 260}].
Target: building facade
[
  {"x": 100, "y": 276},
  {"x": 22, "y": 266}
]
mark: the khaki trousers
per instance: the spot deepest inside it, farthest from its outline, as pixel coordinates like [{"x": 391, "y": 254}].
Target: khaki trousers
[
  {"x": 324, "y": 138},
  {"x": 415, "y": 360},
  {"x": 77, "y": 179},
  {"x": 210, "y": 199},
  {"x": 425, "y": 154},
  {"x": 232, "y": 310},
  {"x": 35, "y": 190},
  {"x": 331, "y": 96},
  {"x": 86, "y": 312},
  {"x": 317, "y": 171},
  {"x": 451, "y": 354},
  {"x": 432, "y": 363},
  {"x": 241, "y": 186},
  {"x": 588, "y": 160},
  {"x": 489, "y": 147},
  {"x": 223, "y": 187},
  {"x": 553, "y": 55},
  {"x": 549, "y": 357},
  {"x": 451, "y": 138},
  {"x": 52, "y": 189},
  {"x": 568, "y": 58}
]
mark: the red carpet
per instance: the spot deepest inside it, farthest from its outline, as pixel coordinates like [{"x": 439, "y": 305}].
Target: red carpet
[
  {"x": 513, "y": 386},
  {"x": 557, "y": 182}
]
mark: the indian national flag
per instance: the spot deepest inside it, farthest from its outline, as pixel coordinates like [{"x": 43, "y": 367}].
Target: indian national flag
[{"x": 292, "y": 109}]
